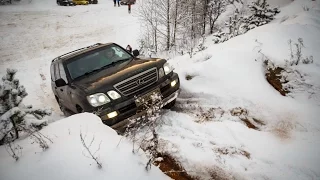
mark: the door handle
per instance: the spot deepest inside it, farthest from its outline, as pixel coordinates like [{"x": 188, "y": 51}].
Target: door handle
[{"x": 61, "y": 89}]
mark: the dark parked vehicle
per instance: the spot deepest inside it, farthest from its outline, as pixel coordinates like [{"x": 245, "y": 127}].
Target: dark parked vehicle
[
  {"x": 126, "y": 2},
  {"x": 93, "y": 1},
  {"x": 65, "y": 3},
  {"x": 106, "y": 78}
]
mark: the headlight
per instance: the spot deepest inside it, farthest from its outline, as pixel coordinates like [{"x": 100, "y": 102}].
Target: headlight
[
  {"x": 113, "y": 94},
  {"x": 167, "y": 68},
  {"x": 98, "y": 99},
  {"x": 161, "y": 73}
]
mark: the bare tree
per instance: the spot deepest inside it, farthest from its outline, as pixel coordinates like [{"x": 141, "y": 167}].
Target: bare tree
[{"x": 215, "y": 9}]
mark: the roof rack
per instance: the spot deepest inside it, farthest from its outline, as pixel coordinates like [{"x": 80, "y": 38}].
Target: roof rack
[{"x": 88, "y": 47}]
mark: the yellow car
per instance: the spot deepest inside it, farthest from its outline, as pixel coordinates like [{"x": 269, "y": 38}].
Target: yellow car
[{"x": 81, "y": 2}]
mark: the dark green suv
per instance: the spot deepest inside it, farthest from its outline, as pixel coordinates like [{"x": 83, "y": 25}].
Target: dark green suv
[{"x": 106, "y": 78}]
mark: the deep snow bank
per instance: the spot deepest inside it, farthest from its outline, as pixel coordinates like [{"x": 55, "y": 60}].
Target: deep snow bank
[
  {"x": 66, "y": 157},
  {"x": 204, "y": 134}
]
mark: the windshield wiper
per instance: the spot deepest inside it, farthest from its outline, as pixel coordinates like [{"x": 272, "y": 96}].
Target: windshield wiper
[{"x": 122, "y": 60}]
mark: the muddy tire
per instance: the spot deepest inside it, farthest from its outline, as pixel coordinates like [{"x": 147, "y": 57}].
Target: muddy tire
[
  {"x": 170, "y": 105},
  {"x": 63, "y": 109}
]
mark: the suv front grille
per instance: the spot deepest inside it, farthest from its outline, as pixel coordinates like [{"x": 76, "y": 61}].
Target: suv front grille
[{"x": 137, "y": 82}]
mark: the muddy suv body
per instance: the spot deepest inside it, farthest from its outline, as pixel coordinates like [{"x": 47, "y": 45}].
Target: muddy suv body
[{"x": 90, "y": 79}]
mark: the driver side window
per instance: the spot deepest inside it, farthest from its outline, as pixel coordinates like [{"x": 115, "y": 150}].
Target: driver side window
[{"x": 62, "y": 73}]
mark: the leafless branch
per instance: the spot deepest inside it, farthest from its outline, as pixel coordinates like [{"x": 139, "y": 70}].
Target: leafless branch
[
  {"x": 13, "y": 150},
  {"x": 87, "y": 148}
]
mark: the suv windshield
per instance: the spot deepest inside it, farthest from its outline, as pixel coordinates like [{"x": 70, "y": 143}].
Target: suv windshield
[{"x": 97, "y": 60}]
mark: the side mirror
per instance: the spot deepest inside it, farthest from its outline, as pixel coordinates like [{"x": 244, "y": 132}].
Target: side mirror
[
  {"x": 60, "y": 82},
  {"x": 135, "y": 52}
]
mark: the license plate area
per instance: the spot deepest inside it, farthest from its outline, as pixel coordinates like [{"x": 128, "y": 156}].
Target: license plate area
[{"x": 146, "y": 98}]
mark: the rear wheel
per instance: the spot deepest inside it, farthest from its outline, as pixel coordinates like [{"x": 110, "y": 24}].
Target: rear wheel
[{"x": 63, "y": 109}]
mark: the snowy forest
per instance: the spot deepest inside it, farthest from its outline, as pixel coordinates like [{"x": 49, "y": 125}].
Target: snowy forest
[{"x": 182, "y": 25}]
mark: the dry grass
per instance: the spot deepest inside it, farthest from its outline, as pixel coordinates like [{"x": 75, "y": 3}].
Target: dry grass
[
  {"x": 283, "y": 129},
  {"x": 250, "y": 122},
  {"x": 232, "y": 151}
]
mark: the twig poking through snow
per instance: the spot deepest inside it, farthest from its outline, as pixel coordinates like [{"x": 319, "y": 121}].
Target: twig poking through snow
[
  {"x": 92, "y": 155},
  {"x": 13, "y": 150}
]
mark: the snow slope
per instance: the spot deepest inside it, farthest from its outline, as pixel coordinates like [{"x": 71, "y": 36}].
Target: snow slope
[
  {"x": 66, "y": 157},
  {"x": 286, "y": 144}
]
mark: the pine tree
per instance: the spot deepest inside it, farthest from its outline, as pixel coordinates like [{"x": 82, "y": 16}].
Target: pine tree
[
  {"x": 13, "y": 113},
  {"x": 261, "y": 14}
]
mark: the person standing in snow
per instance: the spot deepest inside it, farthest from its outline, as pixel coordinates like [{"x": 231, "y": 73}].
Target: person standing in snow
[
  {"x": 130, "y": 2},
  {"x": 129, "y": 48},
  {"x": 115, "y": 3}
]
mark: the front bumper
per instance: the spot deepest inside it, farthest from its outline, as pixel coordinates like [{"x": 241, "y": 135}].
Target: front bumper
[
  {"x": 128, "y": 109},
  {"x": 125, "y": 122}
]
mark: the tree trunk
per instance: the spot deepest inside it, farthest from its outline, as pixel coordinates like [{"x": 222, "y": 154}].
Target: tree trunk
[
  {"x": 205, "y": 12},
  {"x": 193, "y": 19},
  {"x": 175, "y": 23},
  {"x": 168, "y": 25},
  {"x": 155, "y": 39}
]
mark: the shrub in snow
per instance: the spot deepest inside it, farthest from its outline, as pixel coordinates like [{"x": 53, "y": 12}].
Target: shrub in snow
[
  {"x": 89, "y": 151},
  {"x": 16, "y": 117},
  {"x": 142, "y": 130},
  {"x": 296, "y": 55},
  {"x": 259, "y": 14}
]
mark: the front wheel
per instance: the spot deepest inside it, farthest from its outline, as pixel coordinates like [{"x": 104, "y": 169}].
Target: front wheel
[
  {"x": 170, "y": 104},
  {"x": 64, "y": 110}
]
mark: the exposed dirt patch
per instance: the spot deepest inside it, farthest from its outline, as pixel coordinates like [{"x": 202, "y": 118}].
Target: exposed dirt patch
[
  {"x": 204, "y": 115},
  {"x": 259, "y": 122},
  {"x": 172, "y": 168},
  {"x": 218, "y": 174},
  {"x": 233, "y": 151},
  {"x": 244, "y": 116},
  {"x": 249, "y": 124},
  {"x": 274, "y": 77},
  {"x": 238, "y": 111}
]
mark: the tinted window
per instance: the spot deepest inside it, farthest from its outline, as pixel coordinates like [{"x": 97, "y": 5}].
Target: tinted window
[{"x": 95, "y": 60}]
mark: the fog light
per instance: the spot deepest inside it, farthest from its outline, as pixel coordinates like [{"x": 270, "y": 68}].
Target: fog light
[
  {"x": 112, "y": 114},
  {"x": 173, "y": 83}
]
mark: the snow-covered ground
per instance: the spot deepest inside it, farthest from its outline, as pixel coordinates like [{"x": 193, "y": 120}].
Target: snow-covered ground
[
  {"x": 286, "y": 144},
  {"x": 67, "y": 158},
  {"x": 206, "y": 132}
]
